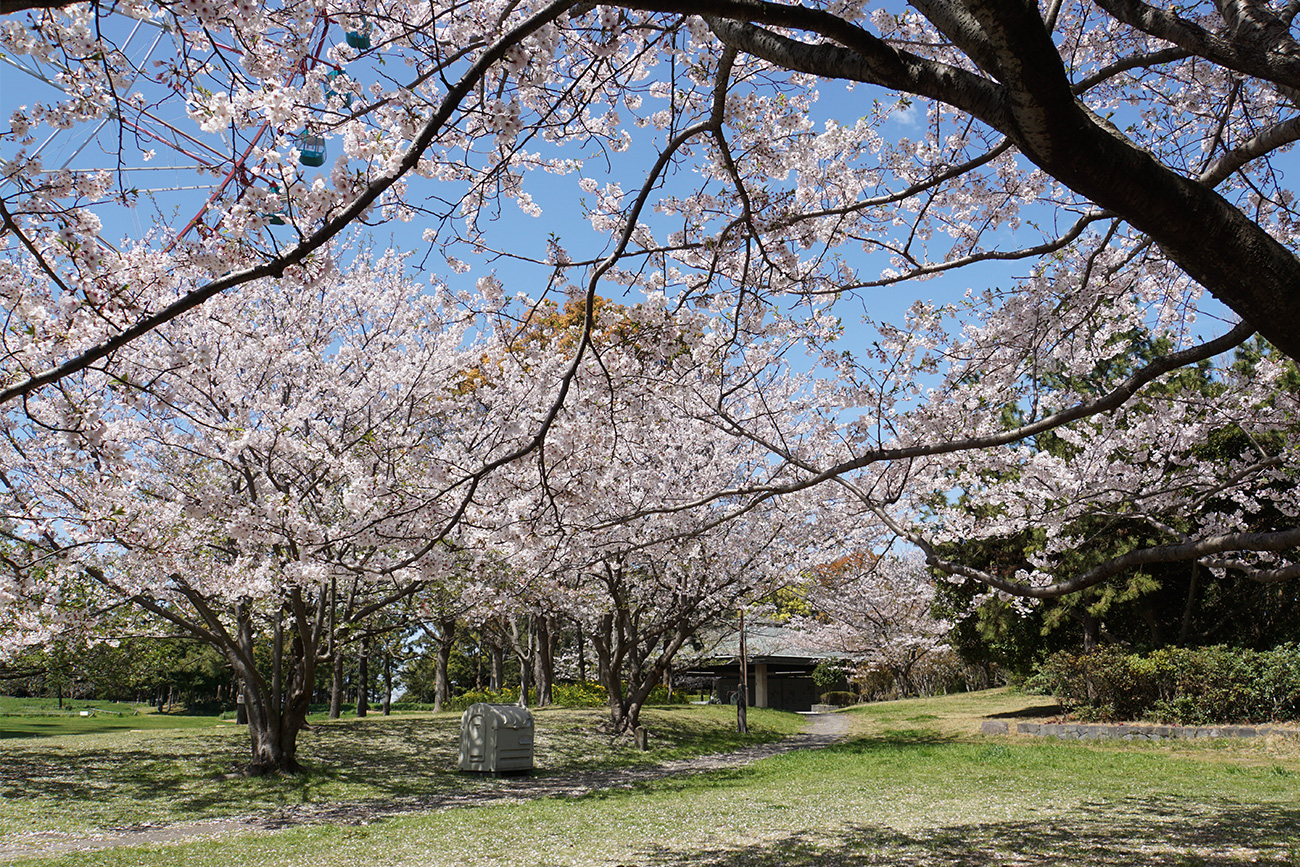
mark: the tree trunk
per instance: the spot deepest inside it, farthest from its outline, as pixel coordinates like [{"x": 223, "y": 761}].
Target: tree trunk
[
  {"x": 742, "y": 693},
  {"x": 1091, "y": 632},
  {"x": 446, "y": 639},
  {"x": 277, "y": 662},
  {"x": 276, "y": 716},
  {"x": 497, "y": 676},
  {"x": 1185, "y": 628},
  {"x": 614, "y": 651},
  {"x": 388, "y": 683},
  {"x": 603, "y": 633},
  {"x": 363, "y": 679},
  {"x": 619, "y": 710},
  {"x": 336, "y": 683},
  {"x": 582, "y": 655},
  {"x": 274, "y": 736},
  {"x": 478, "y": 663},
  {"x": 523, "y": 651},
  {"x": 543, "y": 660}
]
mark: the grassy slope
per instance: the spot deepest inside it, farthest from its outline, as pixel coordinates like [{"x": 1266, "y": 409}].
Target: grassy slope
[{"x": 915, "y": 787}]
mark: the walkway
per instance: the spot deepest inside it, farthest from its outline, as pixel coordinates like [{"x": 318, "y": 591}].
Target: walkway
[{"x": 824, "y": 730}]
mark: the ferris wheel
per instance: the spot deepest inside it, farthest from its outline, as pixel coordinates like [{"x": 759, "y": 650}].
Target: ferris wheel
[{"x": 154, "y": 149}]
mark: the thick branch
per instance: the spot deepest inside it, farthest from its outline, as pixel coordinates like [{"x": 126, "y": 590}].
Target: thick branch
[
  {"x": 1179, "y": 553},
  {"x": 9, "y": 7},
  {"x": 1253, "y": 53}
]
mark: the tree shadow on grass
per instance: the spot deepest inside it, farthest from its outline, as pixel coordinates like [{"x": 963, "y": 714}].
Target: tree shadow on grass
[
  {"x": 380, "y": 764},
  {"x": 1151, "y": 832},
  {"x": 197, "y": 775},
  {"x": 1038, "y": 710}
]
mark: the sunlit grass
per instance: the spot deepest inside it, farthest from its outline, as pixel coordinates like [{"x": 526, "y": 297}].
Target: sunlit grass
[
  {"x": 25, "y": 718},
  {"x": 92, "y": 782},
  {"x": 917, "y": 785}
]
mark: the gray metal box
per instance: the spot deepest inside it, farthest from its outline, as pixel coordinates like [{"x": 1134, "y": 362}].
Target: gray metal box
[{"x": 496, "y": 739}]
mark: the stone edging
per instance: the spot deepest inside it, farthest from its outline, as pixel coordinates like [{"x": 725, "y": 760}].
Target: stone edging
[{"x": 1090, "y": 731}]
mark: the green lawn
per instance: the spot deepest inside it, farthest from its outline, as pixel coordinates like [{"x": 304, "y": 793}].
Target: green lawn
[
  {"x": 89, "y": 783},
  {"x": 917, "y": 785},
  {"x": 42, "y": 717}
]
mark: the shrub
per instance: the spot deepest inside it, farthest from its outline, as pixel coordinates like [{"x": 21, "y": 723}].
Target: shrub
[
  {"x": 837, "y": 698},
  {"x": 659, "y": 695},
  {"x": 1183, "y": 686},
  {"x": 828, "y": 673}
]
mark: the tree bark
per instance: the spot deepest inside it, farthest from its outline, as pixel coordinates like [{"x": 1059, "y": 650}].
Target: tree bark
[
  {"x": 336, "y": 684},
  {"x": 446, "y": 640},
  {"x": 742, "y": 691},
  {"x": 582, "y": 655},
  {"x": 388, "y": 683},
  {"x": 363, "y": 678},
  {"x": 543, "y": 660},
  {"x": 1185, "y": 627},
  {"x": 497, "y": 675}
]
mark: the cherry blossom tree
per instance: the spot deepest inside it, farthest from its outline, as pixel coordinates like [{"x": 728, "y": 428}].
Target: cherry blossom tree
[
  {"x": 617, "y": 529},
  {"x": 241, "y": 470},
  {"x": 766, "y": 164},
  {"x": 876, "y": 609}
]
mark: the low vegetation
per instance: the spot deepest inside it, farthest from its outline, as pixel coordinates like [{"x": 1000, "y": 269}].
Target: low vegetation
[
  {"x": 1184, "y": 686},
  {"x": 915, "y": 785},
  {"x": 35, "y": 717},
  {"x": 88, "y": 783}
]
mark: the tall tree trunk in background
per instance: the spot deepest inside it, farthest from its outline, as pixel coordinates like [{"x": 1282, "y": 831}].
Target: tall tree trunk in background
[
  {"x": 336, "y": 683},
  {"x": 742, "y": 692},
  {"x": 388, "y": 682},
  {"x": 478, "y": 663},
  {"x": 336, "y": 654},
  {"x": 497, "y": 655},
  {"x": 582, "y": 655},
  {"x": 446, "y": 640},
  {"x": 523, "y": 645},
  {"x": 1091, "y": 631},
  {"x": 604, "y": 634},
  {"x": 1185, "y": 628},
  {"x": 543, "y": 659},
  {"x": 497, "y": 674},
  {"x": 363, "y": 678}
]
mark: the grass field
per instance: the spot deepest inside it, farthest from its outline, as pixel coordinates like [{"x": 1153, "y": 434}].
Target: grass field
[
  {"x": 42, "y": 717},
  {"x": 89, "y": 783},
  {"x": 916, "y": 785}
]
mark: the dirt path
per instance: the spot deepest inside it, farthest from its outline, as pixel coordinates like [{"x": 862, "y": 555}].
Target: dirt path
[{"x": 824, "y": 730}]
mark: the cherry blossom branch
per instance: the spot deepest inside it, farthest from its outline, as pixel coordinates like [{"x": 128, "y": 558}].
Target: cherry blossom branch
[
  {"x": 277, "y": 266},
  {"x": 1274, "y": 137},
  {"x": 1253, "y": 572},
  {"x": 1137, "y": 61},
  {"x": 754, "y": 495},
  {"x": 584, "y": 342},
  {"x": 1183, "y": 552},
  {"x": 932, "y": 268}
]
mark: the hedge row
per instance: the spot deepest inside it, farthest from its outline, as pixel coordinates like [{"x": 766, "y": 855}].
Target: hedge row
[{"x": 1177, "y": 686}]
